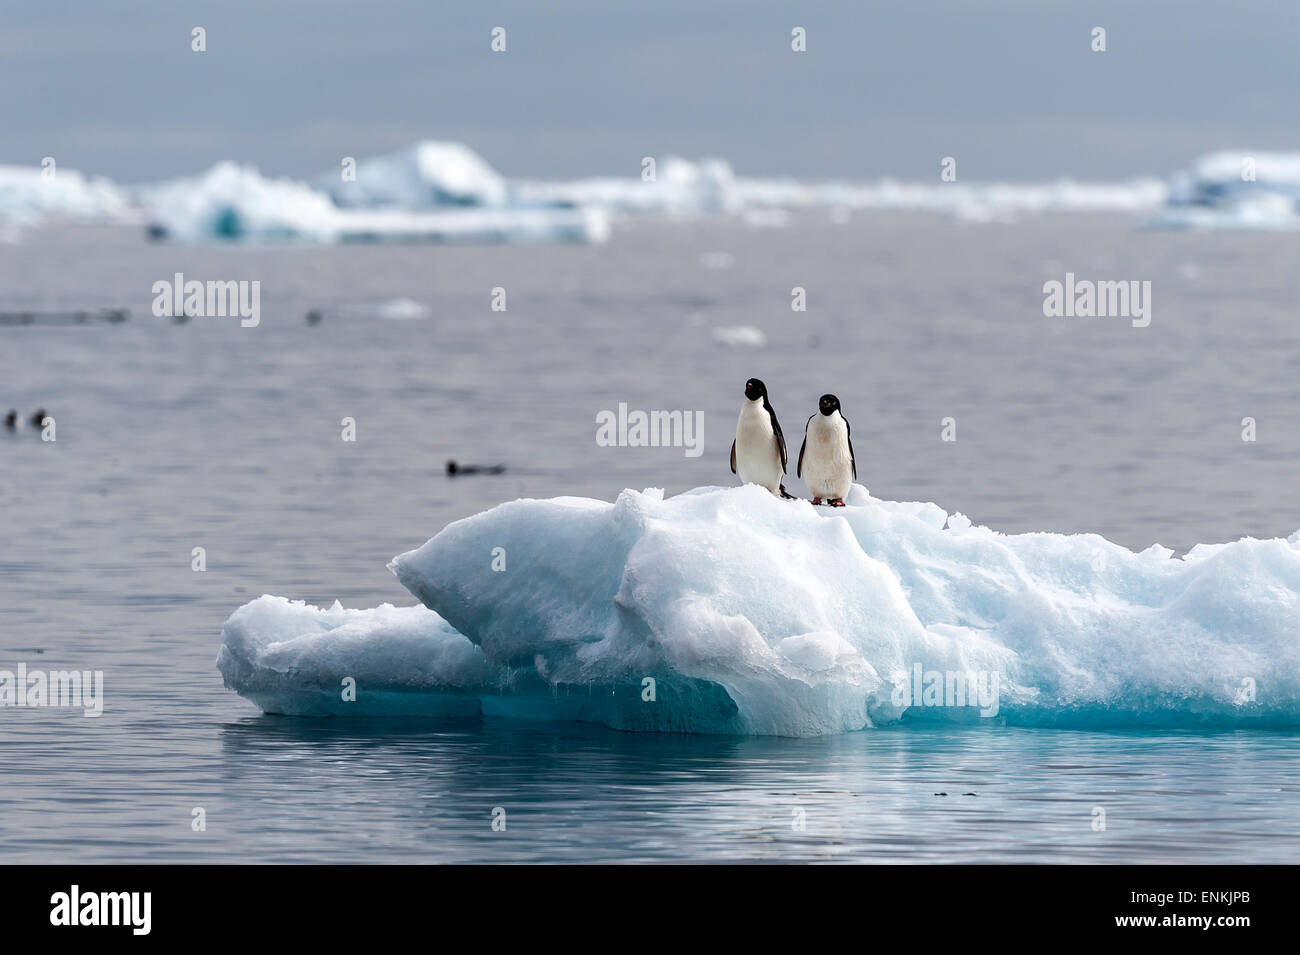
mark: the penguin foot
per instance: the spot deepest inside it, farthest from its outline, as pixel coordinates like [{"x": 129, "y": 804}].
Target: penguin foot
[
  {"x": 817, "y": 500},
  {"x": 836, "y": 502}
]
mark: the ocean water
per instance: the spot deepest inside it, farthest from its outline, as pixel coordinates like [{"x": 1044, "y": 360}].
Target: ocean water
[{"x": 205, "y": 434}]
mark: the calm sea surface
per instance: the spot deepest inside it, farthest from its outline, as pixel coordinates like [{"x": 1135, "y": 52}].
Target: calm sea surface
[{"x": 205, "y": 434}]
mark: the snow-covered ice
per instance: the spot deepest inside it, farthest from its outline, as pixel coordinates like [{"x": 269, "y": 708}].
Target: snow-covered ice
[{"x": 757, "y": 615}]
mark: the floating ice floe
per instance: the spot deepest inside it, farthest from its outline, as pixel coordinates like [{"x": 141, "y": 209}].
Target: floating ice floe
[
  {"x": 680, "y": 187},
  {"x": 287, "y": 656},
  {"x": 445, "y": 192},
  {"x": 232, "y": 202},
  {"x": 28, "y": 195},
  {"x": 394, "y": 309},
  {"x": 1235, "y": 189},
  {"x": 968, "y": 201},
  {"x": 740, "y": 335},
  {"x": 683, "y": 187},
  {"x": 425, "y": 174},
  {"x": 497, "y": 225},
  {"x": 730, "y": 611}
]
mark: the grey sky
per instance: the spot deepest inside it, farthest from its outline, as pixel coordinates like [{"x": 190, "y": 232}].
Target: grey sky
[{"x": 1008, "y": 87}]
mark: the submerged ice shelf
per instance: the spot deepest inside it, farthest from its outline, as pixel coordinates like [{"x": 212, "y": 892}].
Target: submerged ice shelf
[{"x": 759, "y": 616}]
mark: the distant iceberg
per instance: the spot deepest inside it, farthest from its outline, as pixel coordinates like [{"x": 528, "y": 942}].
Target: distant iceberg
[
  {"x": 730, "y": 611},
  {"x": 425, "y": 174},
  {"x": 433, "y": 191},
  {"x": 231, "y": 201},
  {"x": 1235, "y": 189},
  {"x": 977, "y": 202},
  {"x": 679, "y": 187},
  {"x": 682, "y": 187},
  {"x": 28, "y": 196},
  {"x": 236, "y": 203}
]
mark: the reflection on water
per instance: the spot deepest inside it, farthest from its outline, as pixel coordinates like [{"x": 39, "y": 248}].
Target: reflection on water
[
  {"x": 410, "y": 791},
  {"x": 282, "y": 789}
]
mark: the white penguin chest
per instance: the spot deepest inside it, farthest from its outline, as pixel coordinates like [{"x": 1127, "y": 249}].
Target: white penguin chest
[
  {"x": 758, "y": 457},
  {"x": 827, "y": 462}
]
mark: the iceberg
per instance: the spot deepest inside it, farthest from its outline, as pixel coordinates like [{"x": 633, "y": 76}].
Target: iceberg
[
  {"x": 289, "y": 657},
  {"x": 976, "y": 202},
  {"x": 427, "y": 173},
  {"x": 680, "y": 188},
  {"x": 28, "y": 196},
  {"x": 434, "y": 191},
  {"x": 231, "y": 202},
  {"x": 1235, "y": 189},
  {"x": 731, "y": 611},
  {"x": 710, "y": 187}
]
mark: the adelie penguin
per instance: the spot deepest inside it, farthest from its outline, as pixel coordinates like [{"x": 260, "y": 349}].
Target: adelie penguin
[
  {"x": 826, "y": 457},
  {"x": 38, "y": 419},
  {"x": 11, "y": 421},
  {"x": 758, "y": 453}
]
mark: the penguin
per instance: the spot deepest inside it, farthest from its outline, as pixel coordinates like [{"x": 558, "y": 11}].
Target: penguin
[
  {"x": 38, "y": 419},
  {"x": 758, "y": 453},
  {"x": 827, "y": 454},
  {"x": 11, "y": 421}
]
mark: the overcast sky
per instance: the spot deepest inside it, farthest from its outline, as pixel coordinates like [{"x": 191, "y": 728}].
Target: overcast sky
[{"x": 1010, "y": 88}]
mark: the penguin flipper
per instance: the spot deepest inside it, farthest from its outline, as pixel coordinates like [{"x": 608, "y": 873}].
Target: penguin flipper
[
  {"x": 733, "y": 457},
  {"x": 848, "y": 436},
  {"x": 780, "y": 439},
  {"x": 799, "y": 469}
]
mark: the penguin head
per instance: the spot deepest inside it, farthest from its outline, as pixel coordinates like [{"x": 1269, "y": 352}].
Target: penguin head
[
  {"x": 755, "y": 389},
  {"x": 828, "y": 405}
]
